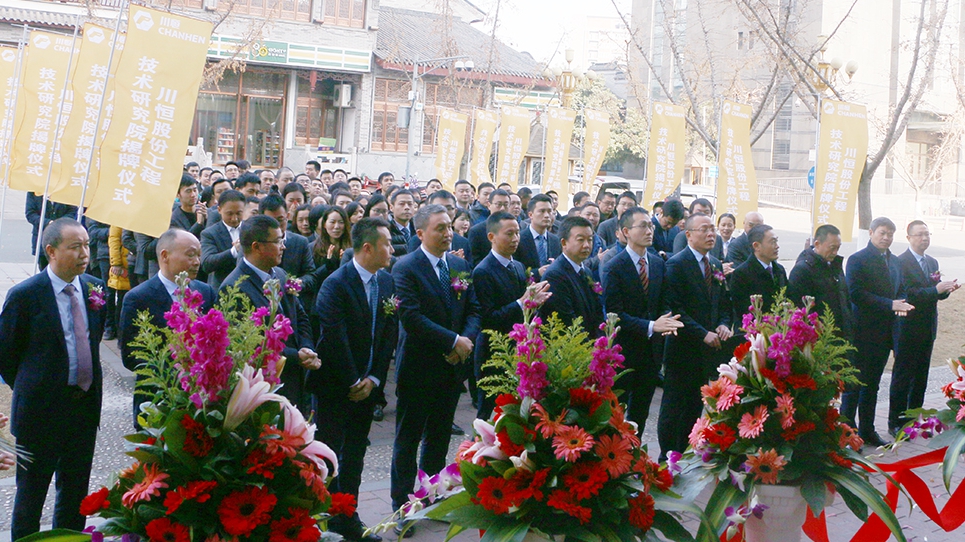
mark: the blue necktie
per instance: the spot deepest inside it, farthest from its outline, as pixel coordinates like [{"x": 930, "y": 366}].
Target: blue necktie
[
  {"x": 445, "y": 280},
  {"x": 405, "y": 233},
  {"x": 541, "y": 248},
  {"x": 374, "y": 306}
]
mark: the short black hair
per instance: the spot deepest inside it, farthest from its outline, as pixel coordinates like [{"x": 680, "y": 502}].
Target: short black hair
[
  {"x": 255, "y": 230},
  {"x": 824, "y": 230},
  {"x": 243, "y": 164},
  {"x": 230, "y": 195},
  {"x": 400, "y": 192},
  {"x": 602, "y": 196},
  {"x": 442, "y": 194},
  {"x": 674, "y": 209},
  {"x": 485, "y": 185},
  {"x": 537, "y": 199},
  {"x": 704, "y": 202},
  {"x": 314, "y": 164},
  {"x": 524, "y": 192},
  {"x": 571, "y": 222},
  {"x": 54, "y": 232},
  {"x": 186, "y": 181},
  {"x": 221, "y": 180},
  {"x": 385, "y": 174},
  {"x": 325, "y": 172},
  {"x": 271, "y": 202},
  {"x": 246, "y": 179},
  {"x": 366, "y": 230},
  {"x": 757, "y": 233},
  {"x": 356, "y": 179},
  {"x": 352, "y": 208},
  {"x": 497, "y": 192},
  {"x": 315, "y": 215},
  {"x": 253, "y": 199},
  {"x": 294, "y": 187},
  {"x": 657, "y": 205},
  {"x": 232, "y": 163},
  {"x": 579, "y": 196},
  {"x": 626, "y": 220},
  {"x": 341, "y": 185},
  {"x": 464, "y": 181},
  {"x": 190, "y": 165},
  {"x": 630, "y": 195},
  {"x": 495, "y": 219},
  {"x": 206, "y": 195},
  {"x": 883, "y": 221},
  {"x": 342, "y": 170}
]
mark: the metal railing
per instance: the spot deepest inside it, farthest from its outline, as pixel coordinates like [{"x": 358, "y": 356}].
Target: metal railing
[{"x": 785, "y": 192}]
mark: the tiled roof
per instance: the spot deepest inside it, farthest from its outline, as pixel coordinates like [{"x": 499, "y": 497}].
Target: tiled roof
[
  {"x": 37, "y": 17},
  {"x": 405, "y": 35}
]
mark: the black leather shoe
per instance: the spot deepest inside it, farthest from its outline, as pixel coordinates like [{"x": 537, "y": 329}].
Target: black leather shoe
[
  {"x": 893, "y": 431},
  {"x": 402, "y": 525},
  {"x": 354, "y": 532},
  {"x": 377, "y": 414},
  {"x": 456, "y": 430},
  {"x": 110, "y": 335},
  {"x": 874, "y": 440}
]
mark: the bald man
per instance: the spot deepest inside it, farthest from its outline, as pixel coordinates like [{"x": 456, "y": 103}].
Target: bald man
[
  {"x": 177, "y": 251},
  {"x": 741, "y": 248}
]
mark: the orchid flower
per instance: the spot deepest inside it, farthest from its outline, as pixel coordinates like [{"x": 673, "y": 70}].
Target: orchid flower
[
  {"x": 487, "y": 445},
  {"x": 250, "y": 392}
]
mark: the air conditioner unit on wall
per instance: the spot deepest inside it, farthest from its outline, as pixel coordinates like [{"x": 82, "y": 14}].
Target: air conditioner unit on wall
[{"x": 343, "y": 95}]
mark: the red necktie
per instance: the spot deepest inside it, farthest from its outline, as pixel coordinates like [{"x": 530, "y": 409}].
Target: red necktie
[
  {"x": 707, "y": 274},
  {"x": 644, "y": 278}
]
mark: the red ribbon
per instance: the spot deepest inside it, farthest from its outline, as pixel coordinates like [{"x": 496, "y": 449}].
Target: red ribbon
[{"x": 950, "y": 518}]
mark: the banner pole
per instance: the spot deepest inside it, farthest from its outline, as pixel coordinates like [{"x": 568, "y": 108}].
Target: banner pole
[
  {"x": 472, "y": 145},
  {"x": 545, "y": 127},
  {"x": 9, "y": 133},
  {"x": 817, "y": 143},
  {"x": 100, "y": 112},
  {"x": 720, "y": 126},
  {"x": 53, "y": 146}
]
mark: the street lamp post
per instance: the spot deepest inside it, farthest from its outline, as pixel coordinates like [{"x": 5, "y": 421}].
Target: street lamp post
[
  {"x": 415, "y": 130},
  {"x": 567, "y": 78}
]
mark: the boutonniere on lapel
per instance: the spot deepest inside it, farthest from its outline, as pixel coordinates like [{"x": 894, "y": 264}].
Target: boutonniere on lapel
[
  {"x": 390, "y": 305},
  {"x": 720, "y": 277},
  {"x": 460, "y": 283},
  {"x": 936, "y": 277},
  {"x": 95, "y": 297},
  {"x": 594, "y": 285},
  {"x": 293, "y": 287}
]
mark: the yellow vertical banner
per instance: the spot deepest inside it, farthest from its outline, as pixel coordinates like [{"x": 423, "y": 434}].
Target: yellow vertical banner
[
  {"x": 8, "y": 90},
  {"x": 156, "y": 89},
  {"x": 665, "y": 158},
  {"x": 595, "y": 143},
  {"x": 483, "y": 132},
  {"x": 842, "y": 152},
  {"x": 559, "y": 133},
  {"x": 513, "y": 143},
  {"x": 88, "y": 85},
  {"x": 35, "y": 131},
  {"x": 737, "y": 180},
  {"x": 450, "y": 146}
]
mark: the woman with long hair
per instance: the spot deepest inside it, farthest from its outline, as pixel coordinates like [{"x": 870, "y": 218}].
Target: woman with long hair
[
  {"x": 355, "y": 212},
  {"x": 377, "y": 207},
  {"x": 302, "y": 225}
]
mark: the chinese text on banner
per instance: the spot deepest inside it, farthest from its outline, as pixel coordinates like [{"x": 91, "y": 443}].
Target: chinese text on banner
[
  {"x": 842, "y": 151},
  {"x": 559, "y": 133},
  {"x": 513, "y": 143},
  {"x": 595, "y": 144},
  {"x": 665, "y": 159},
  {"x": 450, "y": 146},
  {"x": 737, "y": 180}
]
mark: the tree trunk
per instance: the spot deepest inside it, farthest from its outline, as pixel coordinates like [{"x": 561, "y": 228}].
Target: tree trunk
[{"x": 864, "y": 195}]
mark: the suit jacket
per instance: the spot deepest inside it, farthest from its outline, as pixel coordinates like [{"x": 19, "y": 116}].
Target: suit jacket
[
  {"x": 624, "y": 295},
  {"x": 527, "y": 255},
  {"x": 345, "y": 340},
  {"x": 701, "y": 309},
  {"x": 185, "y": 222},
  {"x": 33, "y": 206},
  {"x": 99, "y": 233},
  {"x": 680, "y": 243},
  {"x": 251, "y": 285},
  {"x": 153, "y": 297},
  {"x": 607, "y": 230},
  {"x": 874, "y": 283},
  {"x": 919, "y": 290},
  {"x": 146, "y": 263},
  {"x": 479, "y": 244},
  {"x": 573, "y": 297},
  {"x": 399, "y": 242},
  {"x": 297, "y": 260},
  {"x": 216, "y": 258},
  {"x": 813, "y": 276},
  {"x": 35, "y": 363},
  {"x": 497, "y": 289},
  {"x": 458, "y": 243},
  {"x": 663, "y": 239},
  {"x": 429, "y": 325},
  {"x": 739, "y": 250},
  {"x": 750, "y": 278}
]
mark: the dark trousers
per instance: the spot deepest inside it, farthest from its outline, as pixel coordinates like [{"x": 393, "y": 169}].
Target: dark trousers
[
  {"x": 68, "y": 454},
  {"x": 639, "y": 386},
  {"x": 909, "y": 377},
  {"x": 344, "y": 426},
  {"x": 870, "y": 360},
  {"x": 425, "y": 416}
]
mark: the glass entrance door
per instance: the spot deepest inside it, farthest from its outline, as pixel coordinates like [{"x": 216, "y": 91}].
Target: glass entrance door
[{"x": 264, "y": 123}]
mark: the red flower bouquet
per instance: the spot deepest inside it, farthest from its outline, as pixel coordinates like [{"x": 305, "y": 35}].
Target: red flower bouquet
[{"x": 221, "y": 456}]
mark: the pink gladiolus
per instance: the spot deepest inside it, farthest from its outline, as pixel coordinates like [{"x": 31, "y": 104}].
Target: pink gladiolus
[{"x": 250, "y": 392}]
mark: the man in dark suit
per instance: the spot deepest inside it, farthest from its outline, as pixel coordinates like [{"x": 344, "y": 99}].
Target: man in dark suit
[
  {"x": 403, "y": 206},
  {"x": 51, "y": 338},
  {"x": 633, "y": 289},
  {"x": 460, "y": 245},
  {"x": 220, "y": 248},
  {"x": 297, "y": 260},
  {"x": 145, "y": 262},
  {"x": 439, "y": 325},
  {"x": 704, "y": 206},
  {"x": 665, "y": 228},
  {"x": 479, "y": 243},
  {"x": 572, "y": 285},
  {"x": 500, "y": 283},
  {"x": 608, "y": 228},
  {"x": 874, "y": 280},
  {"x": 819, "y": 273},
  {"x": 177, "y": 251},
  {"x": 262, "y": 243},
  {"x": 740, "y": 248},
  {"x": 923, "y": 287},
  {"x": 479, "y": 210},
  {"x": 190, "y": 214},
  {"x": 538, "y": 247},
  {"x": 694, "y": 291},
  {"x": 359, "y": 330},
  {"x": 760, "y": 275}
]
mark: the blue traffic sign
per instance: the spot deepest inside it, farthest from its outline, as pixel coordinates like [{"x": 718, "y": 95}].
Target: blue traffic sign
[{"x": 811, "y": 177}]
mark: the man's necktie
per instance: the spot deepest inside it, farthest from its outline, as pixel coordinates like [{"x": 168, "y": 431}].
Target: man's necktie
[
  {"x": 644, "y": 277},
  {"x": 374, "y": 306},
  {"x": 708, "y": 276},
  {"x": 85, "y": 364},
  {"x": 924, "y": 266},
  {"x": 445, "y": 280},
  {"x": 770, "y": 272},
  {"x": 541, "y": 249},
  {"x": 405, "y": 233}
]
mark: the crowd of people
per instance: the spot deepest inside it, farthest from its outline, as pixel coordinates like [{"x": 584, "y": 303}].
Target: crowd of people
[{"x": 413, "y": 275}]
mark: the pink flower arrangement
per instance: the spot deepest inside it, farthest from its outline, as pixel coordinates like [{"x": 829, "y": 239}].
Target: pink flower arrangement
[{"x": 95, "y": 297}]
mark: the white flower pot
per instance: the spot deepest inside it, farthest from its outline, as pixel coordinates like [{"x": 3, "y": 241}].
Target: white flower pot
[{"x": 783, "y": 518}]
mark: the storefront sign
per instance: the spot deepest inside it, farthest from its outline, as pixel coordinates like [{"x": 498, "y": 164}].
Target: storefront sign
[
  {"x": 596, "y": 141},
  {"x": 559, "y": 133},
  {"x": 156, "y": 88},
  {"x": 450, "y": 146},
  {"x": 281, "y": 53},
  {"x": 513, "y": 142},
  {"x": 665, "y": 159},
  {"x": 737, "y": 180},
  {"x": 483, "y": 132},
  {"x": 532, "y": 99},
  {"x": 842, "y": 151}
]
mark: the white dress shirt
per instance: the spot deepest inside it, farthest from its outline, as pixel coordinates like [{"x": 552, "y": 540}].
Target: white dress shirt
[{"x": 67, "y": 319}]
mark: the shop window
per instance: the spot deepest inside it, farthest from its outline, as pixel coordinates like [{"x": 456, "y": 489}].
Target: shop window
[
  {"x": 350, "y": 13},
  {"x": 290, "y": 10},
  {"x": 316, "y": 117}
]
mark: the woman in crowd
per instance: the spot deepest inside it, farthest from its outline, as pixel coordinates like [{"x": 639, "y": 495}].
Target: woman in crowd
[
  {"x": 462, "y": 223},
  {"x": 725, "y": 227},
  {"x": 355, "y": 212},
  {"x": 377, "y": 207},
  {"x": 302, "y": 224}
]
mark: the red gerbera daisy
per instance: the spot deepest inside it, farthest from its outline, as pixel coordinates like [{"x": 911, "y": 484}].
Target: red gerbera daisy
[
  {"x": 242, "y": 512},
  {"x": 165, "y": 530},
  {"x": 497, "y": 494},
  {"x": 198, "y": 491},
  {"x": 799, "y": 429},
  {"x": 298, "y": 527},
  {"x": 263, "y": 463},
  {"x": 502, "y": 400},
  {"x": 95, "y": 502},
  {"x": 802, "y": 381},
  {"x": 615, "y": 454},
  {"x": 742, "y": 350},
  {"x": 197, "y": 441},
  {"x": 585, "y": 479},
  {"x": 720, "y": 434},
  {"x": 342, "y": 504},
  {"x": 530, "y": 484},
  {"x": 585, "y": 398},
  {"x": 507, "y": 445},
  {"x": 642, "y": 511},
  {"x": 565, "y": 501}
]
